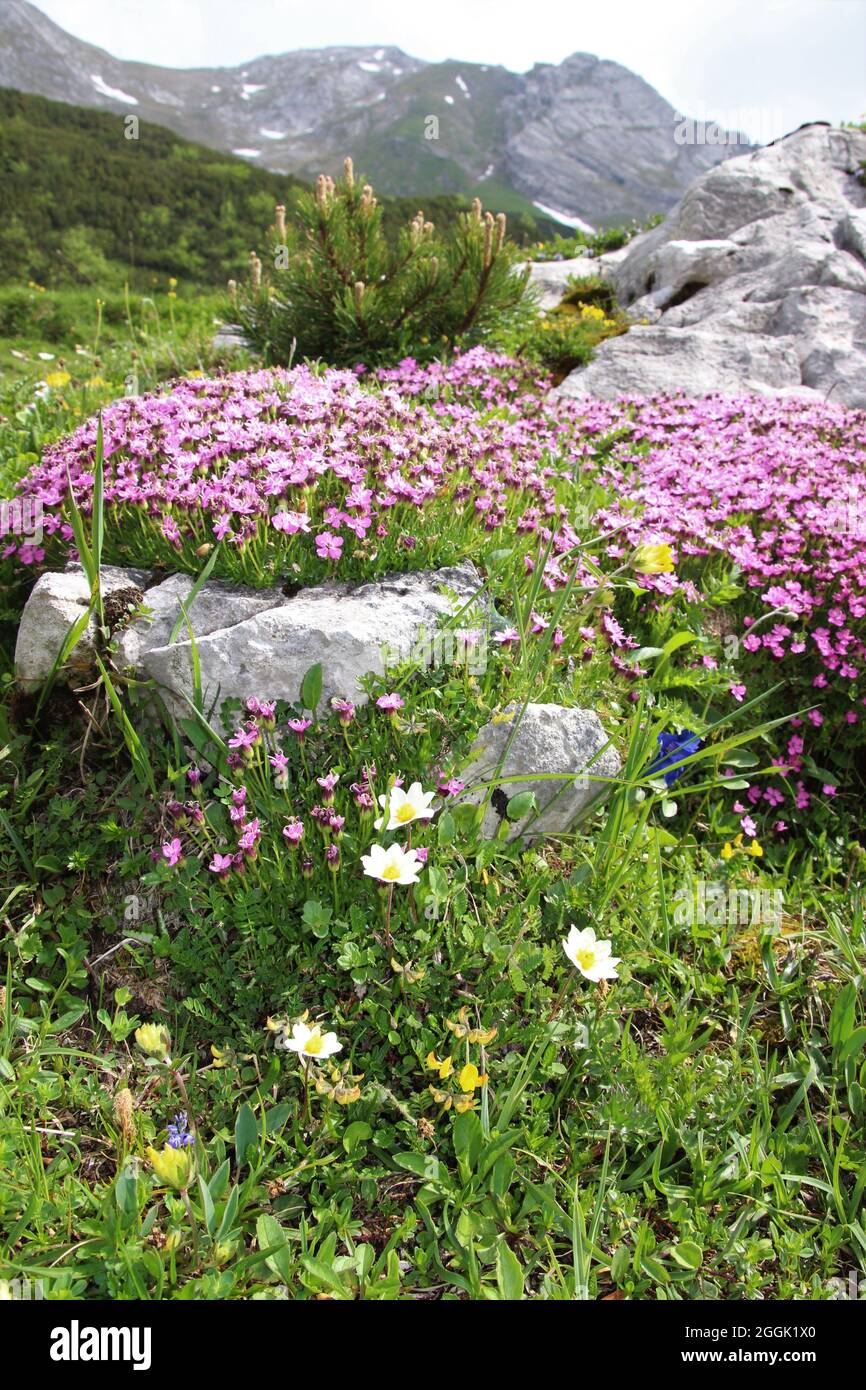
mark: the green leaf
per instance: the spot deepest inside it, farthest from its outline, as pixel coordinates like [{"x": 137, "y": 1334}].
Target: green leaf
[
  {"x": 509, "y": 1274},
  {"x": 207, "y": 1204},
  {"x": 688, "y": 1254},
  {"x": 524, "y": 804},
  {"x": 740, "y": 757},
  {"x": 356, "y": 1135},
  {"x": 311, "y": 687},
  {"x": 220, "y": 1181},
  {"x": 424, "y": 1166},
  {"x": 246, "y": 1133},
  {"x": 229, "y": 1214},
  {"x": 274, "y": 1246},
  {"x": 852, "y": 1045},
  {"x": 447, "y": 828},
  {"x": 673, "y": 644},
  {"x": 468, "y": 1139},
  {"x": 842, "y": 1016},
  {"x": 324, "y": 1274},
  {"x": 193, "y": 595}
]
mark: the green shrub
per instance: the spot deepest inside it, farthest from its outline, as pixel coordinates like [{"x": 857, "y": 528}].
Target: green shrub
[
  {"x": 567, "y": 336},
  {"x": 342, "y": 291},
  {"x": 564, "y": 248}
]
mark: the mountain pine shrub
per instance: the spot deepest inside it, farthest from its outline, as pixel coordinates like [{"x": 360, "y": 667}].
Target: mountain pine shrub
[{"x": 340, "y": 290}]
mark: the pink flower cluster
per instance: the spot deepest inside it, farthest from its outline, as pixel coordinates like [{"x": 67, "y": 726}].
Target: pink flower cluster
[{"x": 421, "y": 464}]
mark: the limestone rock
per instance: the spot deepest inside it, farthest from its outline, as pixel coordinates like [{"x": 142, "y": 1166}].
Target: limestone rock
[
  {"x": 549, "y": 739},
  {"x": 56, "y": 602},
  {"x": 756, "y": 281},
  {"x": 262, "y": 643},
  {"x": 550, "y": 278}
]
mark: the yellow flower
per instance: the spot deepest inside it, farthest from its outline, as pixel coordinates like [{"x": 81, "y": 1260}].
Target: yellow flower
[
  {"x": 470, "y": 1077},
  {"x": 653, "y": 559},
  {"x": 341, "y": 1085},
  {"x": 154, "y": 1041},
  {"x": 444, "y": 1068},
  {"x": 173, "y": 1167},
  {"x": 58, "y": 379},
  {"x": 755, "y": 850},
  {"x": 464, "y": 1032},
  {"x": 222, "y": 1056},
  {"x": 727, "y": 851},
  {"x": 464, "y": 1103}
]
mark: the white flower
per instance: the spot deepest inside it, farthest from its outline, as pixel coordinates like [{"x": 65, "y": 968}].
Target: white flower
[
  {"x": 312, "y": 1042},
  {"x": 394, "y": 865},
  {"x": 592, "y": 958},
  {"x": 402, "y": 807}
]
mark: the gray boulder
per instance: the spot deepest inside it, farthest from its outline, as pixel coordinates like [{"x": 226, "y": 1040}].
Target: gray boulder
[
  {"x": 254, "y": 642},
  {"x": 549, "y": 739},
  {"x": 57, "y": 601},
  {"x": 267, "y": 649},
  {"x": 756, "y": 281}
]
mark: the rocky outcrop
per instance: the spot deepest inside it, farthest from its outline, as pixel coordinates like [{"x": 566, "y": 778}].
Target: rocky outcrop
[
  {"x": 602, "y": 142},
  {"x": 755, "y": 282},
  {"x": 568, "y": 745},
  {"x": 252, "y": 641},
  {"x": 263, "y": 643},
  {"x": 550, "y": 279}
]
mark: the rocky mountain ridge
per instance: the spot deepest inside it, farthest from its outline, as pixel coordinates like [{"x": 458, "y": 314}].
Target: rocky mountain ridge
[{"x": 585, "y": 139}]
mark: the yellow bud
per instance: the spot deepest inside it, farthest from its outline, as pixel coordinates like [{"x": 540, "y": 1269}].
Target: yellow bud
[
  {"x": 154, "y": 1041},
  {"x": 173, "y": 1167}
]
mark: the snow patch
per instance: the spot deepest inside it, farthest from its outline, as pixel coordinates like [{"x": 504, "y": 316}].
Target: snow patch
[
  {"x": 370, "y": 67},
  {"x": 272, "y": 134},
  {"x": 464, "y": 89},
  {"x": 249, "y": 89},
  {"x": 247, "y": 154},
  {"x": 487, "y": 172},
  {"x": 379, "y": 54},
  {"x": 450, "y": 100},
  {"x": 114, "y": 92},
  {"x": 562, "y": 217},
  {"x": 216, "y": 89}
]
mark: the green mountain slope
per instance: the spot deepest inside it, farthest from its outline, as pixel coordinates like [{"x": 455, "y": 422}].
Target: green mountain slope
[{"x": 75, "y": 192}]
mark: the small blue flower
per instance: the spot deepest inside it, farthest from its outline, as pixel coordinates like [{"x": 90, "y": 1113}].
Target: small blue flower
[
  {"x": 672, "y": 749},
  {"x": 178, "y": 1133}
]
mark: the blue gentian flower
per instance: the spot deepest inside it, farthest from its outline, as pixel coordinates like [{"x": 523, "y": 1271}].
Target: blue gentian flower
[
  {"x": 178, "y": 1134},
  {"x": 672, "y": 749}
]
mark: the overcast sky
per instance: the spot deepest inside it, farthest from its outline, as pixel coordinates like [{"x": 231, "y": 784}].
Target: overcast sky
[{"x": 762, "y": 65}]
